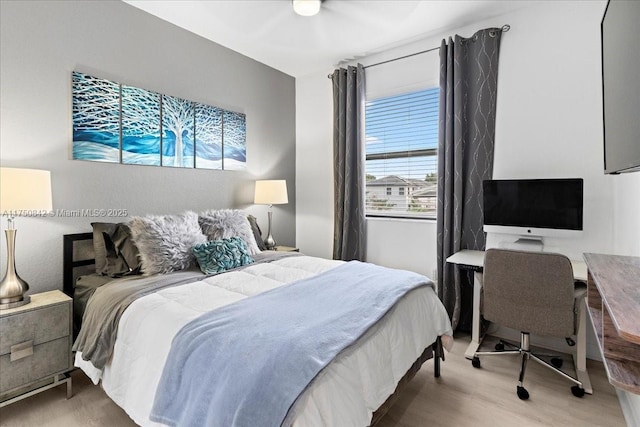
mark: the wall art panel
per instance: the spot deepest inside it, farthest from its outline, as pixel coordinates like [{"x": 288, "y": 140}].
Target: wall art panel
[
  {"x": 234, "y": 141},
  {"x": 177, "y": 132},
  {"x": 96, "y": 119},
  {"x": 208, "y": 137},
  {"x": 140, "y": 126}
]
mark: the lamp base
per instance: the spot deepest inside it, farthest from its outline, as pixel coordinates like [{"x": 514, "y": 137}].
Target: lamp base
[
  {"x": 269, "y": 242},
  {"x": 12, "y": 287},
  {"x": 26, "y": 299}
]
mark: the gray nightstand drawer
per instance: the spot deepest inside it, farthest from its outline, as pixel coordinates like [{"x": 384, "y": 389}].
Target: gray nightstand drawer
[
  {"x": 41, "y": 325},
  {"x": 47, "y": 359}
]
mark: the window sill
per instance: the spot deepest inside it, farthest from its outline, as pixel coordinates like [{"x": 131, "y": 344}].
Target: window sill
[{"x": 401, "y": 219}]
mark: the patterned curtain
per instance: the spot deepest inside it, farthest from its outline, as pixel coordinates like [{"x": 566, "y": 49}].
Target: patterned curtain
[
  {"x": 468, "y": 80},
  {"x": 349, "y": 236}
]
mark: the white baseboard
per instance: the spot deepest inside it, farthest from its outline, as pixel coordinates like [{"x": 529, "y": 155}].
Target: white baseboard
[{"x": 630, "y": 404}]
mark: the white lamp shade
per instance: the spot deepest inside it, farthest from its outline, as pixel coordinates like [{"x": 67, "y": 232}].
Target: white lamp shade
[
  {"x": 24, "y": 189},
  {"x": 271, "y": 192},
  {"x": 306, "y": 7}
]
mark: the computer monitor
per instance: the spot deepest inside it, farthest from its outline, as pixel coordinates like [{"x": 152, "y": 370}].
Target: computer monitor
[{"x": 533, "y": 207}]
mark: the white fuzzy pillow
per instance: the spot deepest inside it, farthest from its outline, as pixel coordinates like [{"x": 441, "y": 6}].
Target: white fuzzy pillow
[
  {"x": 228, "y": 223},
  {"x": 165, "y": 242}
]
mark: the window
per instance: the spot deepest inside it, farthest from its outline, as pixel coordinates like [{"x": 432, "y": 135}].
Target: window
[{"x": 401, "y": 152}]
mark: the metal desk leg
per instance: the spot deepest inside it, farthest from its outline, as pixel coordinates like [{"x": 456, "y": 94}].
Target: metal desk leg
[
  {"x": 476, "y": 339},
  {"x": 580, "y": 355}
]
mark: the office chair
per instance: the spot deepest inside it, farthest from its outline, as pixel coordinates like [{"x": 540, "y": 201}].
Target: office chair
[{"x": 532, "y": 292}]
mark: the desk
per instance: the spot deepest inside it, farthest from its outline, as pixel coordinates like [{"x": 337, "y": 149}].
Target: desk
[
  {"x": 474, "y": 260},
  {"x": 614, "y": 308}
]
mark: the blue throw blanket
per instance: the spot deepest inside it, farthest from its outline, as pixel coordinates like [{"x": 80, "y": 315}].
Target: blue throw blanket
[{"x": 245, "y": 364}]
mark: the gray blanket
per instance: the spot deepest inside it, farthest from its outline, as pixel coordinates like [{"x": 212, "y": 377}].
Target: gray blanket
[
  {"x": 83, "y": 290},
  {"x": 104, "y": 309},
  {"x": 245, "y": 364}
]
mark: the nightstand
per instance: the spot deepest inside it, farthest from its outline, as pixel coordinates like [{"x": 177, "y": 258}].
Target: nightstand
[
  {"x": 35, "y": 346},
  {"x": 285, "y": 249}
]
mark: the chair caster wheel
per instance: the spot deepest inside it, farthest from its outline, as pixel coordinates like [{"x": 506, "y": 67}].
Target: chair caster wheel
[
  {"x": 577, "y": 391},
  {"x": 475, "y": 362},
  {"x": 556, "y": 362},
  {"x": 499, "y": 347},
  {"x": 523, "y": 394}
]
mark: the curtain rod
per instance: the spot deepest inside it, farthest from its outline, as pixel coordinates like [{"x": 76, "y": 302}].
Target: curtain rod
[{"x": 504, "y": 29}]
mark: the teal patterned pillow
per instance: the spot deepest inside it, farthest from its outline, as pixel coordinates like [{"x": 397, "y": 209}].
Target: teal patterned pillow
[{"x": 217, "y": 256}]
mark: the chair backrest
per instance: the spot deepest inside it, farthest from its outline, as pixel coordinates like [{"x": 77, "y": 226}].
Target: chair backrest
[{"x": 529, "y": 291}]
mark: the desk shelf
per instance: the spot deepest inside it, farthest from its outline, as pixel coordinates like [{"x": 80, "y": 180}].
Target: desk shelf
[{"x": 613, "y": 300}]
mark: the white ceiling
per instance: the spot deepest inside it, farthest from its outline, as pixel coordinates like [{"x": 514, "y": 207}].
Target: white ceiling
[{"x": 270, "y": 31}]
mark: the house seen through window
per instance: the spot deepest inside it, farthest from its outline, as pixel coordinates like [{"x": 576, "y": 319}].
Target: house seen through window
[{"x": 401, "y": 154}]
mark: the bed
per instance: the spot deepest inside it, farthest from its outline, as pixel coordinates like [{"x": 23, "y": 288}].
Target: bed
[{"x": 356, "y": 388}]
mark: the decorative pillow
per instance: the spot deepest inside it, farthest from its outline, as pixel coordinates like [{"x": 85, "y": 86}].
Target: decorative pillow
[
  {"x": 99, "y": 245},
  {"x": 165, "y": 242},
  {"x": 257, "y": 233},
  {"x": 217, "y": 256},
  {"x": 114, "y": 251},
  {"x": 127, "y": 250},
  {"x": 116, "y": 265},
  {"x": 227, "y": 223}
]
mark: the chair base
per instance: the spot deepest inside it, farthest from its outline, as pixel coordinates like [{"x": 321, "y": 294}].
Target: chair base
[{"x": 525, "y": 353}]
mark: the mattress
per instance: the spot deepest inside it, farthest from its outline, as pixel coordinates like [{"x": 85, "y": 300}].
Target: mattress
[{"x": 346, "y": 392}]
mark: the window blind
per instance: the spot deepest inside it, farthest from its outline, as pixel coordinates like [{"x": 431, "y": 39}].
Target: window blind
[{"x": 401, "y": 154}]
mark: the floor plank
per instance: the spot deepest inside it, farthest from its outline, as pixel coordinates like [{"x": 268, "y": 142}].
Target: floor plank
[{"x": 462, "y": 396}]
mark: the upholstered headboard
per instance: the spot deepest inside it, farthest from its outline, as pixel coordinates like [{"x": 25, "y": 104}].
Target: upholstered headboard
[{"x": 77, "y": 258}]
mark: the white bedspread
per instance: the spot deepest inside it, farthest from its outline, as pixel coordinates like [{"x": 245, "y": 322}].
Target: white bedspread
[{"x": 346, "y": 393}]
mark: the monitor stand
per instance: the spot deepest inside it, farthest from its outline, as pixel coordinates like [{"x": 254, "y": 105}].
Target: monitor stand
[{"x": 526, "y": 243}]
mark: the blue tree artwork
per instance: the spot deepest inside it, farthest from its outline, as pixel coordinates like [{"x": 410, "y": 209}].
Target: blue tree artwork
[
  {"x": 177, "y": 132},
  {"x": 117, "y": 123},
  {"x": 234, "y": 141},
  {"x": 208, "y": 137},
  {"x": 96, "y": 119},
  {"x": 140, "y": 126}
]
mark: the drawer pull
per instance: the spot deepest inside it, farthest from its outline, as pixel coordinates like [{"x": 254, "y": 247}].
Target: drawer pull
[{"x": 22, "y": 350}]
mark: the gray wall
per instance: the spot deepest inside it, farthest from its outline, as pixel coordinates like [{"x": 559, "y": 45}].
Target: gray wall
[{"x": 42, "y": 42}]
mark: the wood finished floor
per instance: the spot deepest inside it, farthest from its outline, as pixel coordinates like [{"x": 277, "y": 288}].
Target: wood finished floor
[{"x": 462, "y": 396}]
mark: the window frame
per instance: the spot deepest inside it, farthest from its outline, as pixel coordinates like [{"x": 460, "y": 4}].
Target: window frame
[{"x": 422, "y": 152}]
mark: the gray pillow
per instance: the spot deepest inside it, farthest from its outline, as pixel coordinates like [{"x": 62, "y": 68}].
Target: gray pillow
[
  {"x": 165, "y": 242},
  {"x": 99, "y": 244},
  {"x": 257, "y": 233},
  {"x": 228, "y": 223},
  {"x": 126, "y": 250},
  {"x": 114, "y": 252}
]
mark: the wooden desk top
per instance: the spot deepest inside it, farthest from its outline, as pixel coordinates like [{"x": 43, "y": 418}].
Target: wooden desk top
[{"x": 618, "y": 281}]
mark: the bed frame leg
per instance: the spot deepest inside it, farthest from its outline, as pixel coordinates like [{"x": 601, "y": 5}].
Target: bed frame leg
[{"x": 437, "y": 354}]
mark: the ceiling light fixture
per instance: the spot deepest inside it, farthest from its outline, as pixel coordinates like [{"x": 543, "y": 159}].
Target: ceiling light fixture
[{"x": 306, "y": 7}]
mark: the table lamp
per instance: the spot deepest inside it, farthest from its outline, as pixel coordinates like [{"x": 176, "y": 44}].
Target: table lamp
[
  {"x": 271, "y": 192},
  {"x": 22, "y": 192}
]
